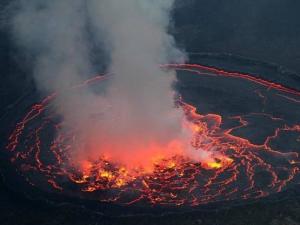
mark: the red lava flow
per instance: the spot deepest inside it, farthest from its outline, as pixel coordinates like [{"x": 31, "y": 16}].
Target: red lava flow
[{"x": 240, "y": 169}]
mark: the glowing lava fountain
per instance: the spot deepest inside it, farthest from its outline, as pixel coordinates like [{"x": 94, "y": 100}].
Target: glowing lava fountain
[{"x": 240, "y": 169}]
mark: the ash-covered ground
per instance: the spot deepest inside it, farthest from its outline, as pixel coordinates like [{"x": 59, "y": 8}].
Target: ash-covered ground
[{"x": 263, "y": 30}]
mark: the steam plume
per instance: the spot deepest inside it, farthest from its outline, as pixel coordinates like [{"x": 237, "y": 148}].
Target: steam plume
[{"x": 137, "y": 117}]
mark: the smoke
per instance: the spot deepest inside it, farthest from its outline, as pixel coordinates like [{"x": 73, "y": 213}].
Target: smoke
[
  {"x": 140, "y": 93},
  {"x": 136, "y": 120}
]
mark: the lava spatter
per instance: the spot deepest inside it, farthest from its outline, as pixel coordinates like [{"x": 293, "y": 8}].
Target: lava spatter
[{"x": 239, "y": 167}]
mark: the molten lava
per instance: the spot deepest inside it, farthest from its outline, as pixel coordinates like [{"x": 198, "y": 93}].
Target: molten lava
[{"x": 229, "y": 167}]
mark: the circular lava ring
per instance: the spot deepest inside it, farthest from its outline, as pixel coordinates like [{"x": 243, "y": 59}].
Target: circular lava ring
[{"x": 250, "y": 120}]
